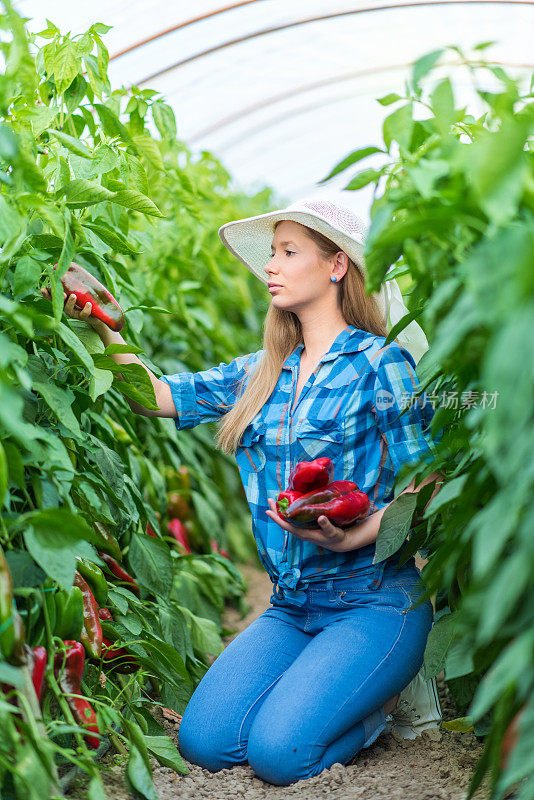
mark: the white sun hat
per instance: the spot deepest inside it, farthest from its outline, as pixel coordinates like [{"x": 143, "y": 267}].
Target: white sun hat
[{"x": 250, "y": 241}]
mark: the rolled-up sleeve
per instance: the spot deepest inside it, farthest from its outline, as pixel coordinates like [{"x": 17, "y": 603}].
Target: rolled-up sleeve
[
  {"x": 207, "y": 395},
  {"x": 402, "y": 418}
]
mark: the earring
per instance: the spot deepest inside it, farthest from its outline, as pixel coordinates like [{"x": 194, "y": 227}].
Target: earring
[{"x": 333, "y": 279}]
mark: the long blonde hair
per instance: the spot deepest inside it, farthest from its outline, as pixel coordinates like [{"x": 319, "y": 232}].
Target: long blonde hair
[{"x": 282, "y": 333}]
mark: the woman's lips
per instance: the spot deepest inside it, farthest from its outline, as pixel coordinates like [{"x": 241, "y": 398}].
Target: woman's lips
[{"x": 274, "y": 287}]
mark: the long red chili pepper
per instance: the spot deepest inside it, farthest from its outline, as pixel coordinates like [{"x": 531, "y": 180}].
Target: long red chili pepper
[
  {"x": 309, "y": 475},
  {"x": 120, "y": 573},
  {"x": 91, "y": 635},
  {"x": 70, "y": 682}
]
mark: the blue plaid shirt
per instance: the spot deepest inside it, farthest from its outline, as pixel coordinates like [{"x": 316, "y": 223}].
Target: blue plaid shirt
[{"x": 347, "y": 410}]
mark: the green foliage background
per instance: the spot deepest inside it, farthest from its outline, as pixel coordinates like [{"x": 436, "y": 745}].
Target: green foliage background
[{"x": 97, "y": 175}]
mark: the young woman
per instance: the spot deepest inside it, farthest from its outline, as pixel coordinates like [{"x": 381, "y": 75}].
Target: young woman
[{"x": 309, "y": 683}]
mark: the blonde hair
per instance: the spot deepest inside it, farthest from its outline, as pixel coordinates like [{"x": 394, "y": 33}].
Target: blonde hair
[{"x": 282, "y": 333}]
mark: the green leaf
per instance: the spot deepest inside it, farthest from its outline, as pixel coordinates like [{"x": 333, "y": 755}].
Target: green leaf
[
  {"x": 449, "y": 491},
  {"x": 24, "y": 570},
  {"x": 55, "y": 537},
  {"x": 138, "y": 775},
  {"x": 66, "y": 65},
  {"x": 113, "y": 238},
  {"x": 424, "y": 64},
  {"x": 394, "y": 525},
  {"x": 352, "y": 158},
  {"x": 131, "y": 198},
  {"x": 399, "y": 126},
  {"x": 362, "y": 178},
  {"x": 70, "y": 143},
  {"x": 11, "y": 675},
  {"x": 80, "y": 192},
  {"x": 504, "y": 672},
  {"x": 151, "y": 562},
  {"x": 166, "y": 752},
  {"x": 388, "y": 99},
  {"x": 164, "y": 120},
  {"x": 439, "y": 640}
]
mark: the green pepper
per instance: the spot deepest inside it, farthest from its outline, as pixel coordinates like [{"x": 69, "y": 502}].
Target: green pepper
[
  {"x": 96, "y": 580},
  {"x": 69, "y": 613}
]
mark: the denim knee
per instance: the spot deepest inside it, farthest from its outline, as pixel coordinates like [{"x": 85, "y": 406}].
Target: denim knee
[
  {"x": 274, "y": 758},
  {"x": 202, "y": 745}
]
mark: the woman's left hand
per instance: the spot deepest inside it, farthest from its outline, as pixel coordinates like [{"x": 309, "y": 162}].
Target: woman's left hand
[{"x": 329, "y": 536}]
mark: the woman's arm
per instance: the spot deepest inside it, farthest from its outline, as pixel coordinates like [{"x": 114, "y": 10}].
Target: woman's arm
[{"x": 162, "y": 390}]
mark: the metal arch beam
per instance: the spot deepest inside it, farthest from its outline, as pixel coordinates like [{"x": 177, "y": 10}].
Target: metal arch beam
[
  {"x": 238, "y": 140},
  {"x": 322, "y": 17},
  {"x": 228, "y": 120},
  {"x": 180, "y": 25}
]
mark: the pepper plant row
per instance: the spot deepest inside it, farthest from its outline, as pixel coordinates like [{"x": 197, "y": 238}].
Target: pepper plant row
[{"x": 114, "y": 529}]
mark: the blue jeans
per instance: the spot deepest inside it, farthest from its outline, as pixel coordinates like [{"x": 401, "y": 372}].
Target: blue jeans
[{"x": 303, "y": 687}]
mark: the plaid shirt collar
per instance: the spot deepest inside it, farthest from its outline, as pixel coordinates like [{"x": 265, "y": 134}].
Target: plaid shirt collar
[{"x": 350, "y": 340}]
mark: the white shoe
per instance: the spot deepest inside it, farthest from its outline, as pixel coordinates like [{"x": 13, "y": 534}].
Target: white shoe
[{"x": 417, "y": 709}]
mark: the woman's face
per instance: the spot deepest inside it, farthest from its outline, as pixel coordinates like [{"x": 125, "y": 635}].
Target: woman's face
[{"x": 297, "y": 273}]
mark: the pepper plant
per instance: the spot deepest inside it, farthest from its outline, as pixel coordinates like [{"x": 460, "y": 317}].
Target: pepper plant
[
  {"x": 453, "y": 212},
  {"x": 97, "y": 502}
]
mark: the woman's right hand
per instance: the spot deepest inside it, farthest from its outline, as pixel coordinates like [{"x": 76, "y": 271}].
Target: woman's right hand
[{"x": 83, "y": 314}]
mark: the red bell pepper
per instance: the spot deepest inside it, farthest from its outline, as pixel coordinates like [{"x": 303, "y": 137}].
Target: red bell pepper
[
  {"x": 341, "y": 502},
  {"x": 309, "y": 475}
]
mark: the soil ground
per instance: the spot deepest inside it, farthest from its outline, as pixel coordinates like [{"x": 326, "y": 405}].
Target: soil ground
[{"x": 438, "y": 764}]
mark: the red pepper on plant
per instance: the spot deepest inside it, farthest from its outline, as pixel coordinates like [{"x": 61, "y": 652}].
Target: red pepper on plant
[
  {"x": 177, "y": 529},
  {"x": 120, "y": 573},
  {"x": 215, "y": 549},
  {"x": 39, "y": 659},
  {"x": 308, "y": 475},
  {"x": 70, "y": 682},
  {"x": 118, "y": 658},
  {"x": 91, "y": 635}
]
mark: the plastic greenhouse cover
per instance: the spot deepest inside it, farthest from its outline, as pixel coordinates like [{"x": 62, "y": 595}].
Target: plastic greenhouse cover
[{"x": 282, "y": 90}]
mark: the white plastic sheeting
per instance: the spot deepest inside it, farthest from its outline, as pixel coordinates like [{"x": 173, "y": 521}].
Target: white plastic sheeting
[{"x": 282, "y": 90}]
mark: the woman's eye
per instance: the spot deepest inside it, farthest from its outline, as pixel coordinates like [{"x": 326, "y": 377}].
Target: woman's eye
[{"x": 290, "y": 251}]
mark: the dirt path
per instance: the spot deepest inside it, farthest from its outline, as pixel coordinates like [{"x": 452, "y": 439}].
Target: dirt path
[{"x": 439, "y": 764}]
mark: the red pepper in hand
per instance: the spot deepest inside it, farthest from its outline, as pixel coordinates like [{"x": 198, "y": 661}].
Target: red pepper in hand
[
  {"x": 284, "y": 499},
  {"x": 309, "y": 475},
  {"x": 70, "y": 682},
  {"x": 120, "y": 573},
  {"x": 88, "y": 289},
  {"x": 341, "y": 502},
  {"x": 91, "y": 635}
]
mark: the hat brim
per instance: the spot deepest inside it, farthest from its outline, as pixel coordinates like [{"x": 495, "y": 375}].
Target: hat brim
[{"x": 250, "y": 239}]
